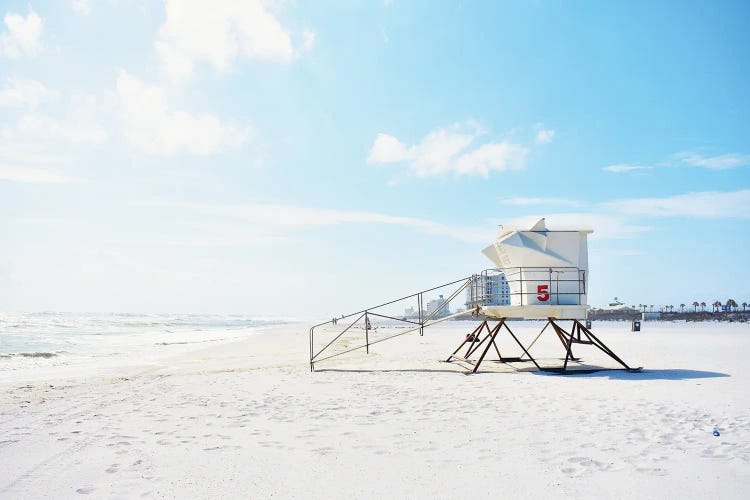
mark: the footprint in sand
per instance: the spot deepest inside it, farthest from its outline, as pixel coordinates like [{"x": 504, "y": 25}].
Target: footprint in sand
[
  {"x": 657, "y": 471},
  {"x": 87, "y": 490}
]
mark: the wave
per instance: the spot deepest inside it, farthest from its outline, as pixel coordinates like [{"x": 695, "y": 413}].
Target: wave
[
  {"x": 90, "y": 323},
  {"x": 38, "y": 354},
  {"x": 41, "y": 335},
  {"x": 185, "y": 342},
  {"x": 45, "y": 355}
]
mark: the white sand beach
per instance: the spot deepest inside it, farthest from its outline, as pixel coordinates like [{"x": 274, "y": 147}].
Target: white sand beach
[{"x": 247, "y": 419}]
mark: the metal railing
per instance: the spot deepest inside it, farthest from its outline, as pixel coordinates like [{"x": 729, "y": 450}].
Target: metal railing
[
  {"x": 498, "y": 286},
  {"x": 419, "y": 320},
  {"x": 515, "y": 278}
]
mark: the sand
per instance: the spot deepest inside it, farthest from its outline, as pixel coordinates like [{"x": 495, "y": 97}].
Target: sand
[{"x": 248, "y": 419}]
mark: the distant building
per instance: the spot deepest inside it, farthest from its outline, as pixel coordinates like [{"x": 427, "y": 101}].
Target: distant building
[
  {"x": 409, "y": 312},
  {"x": 615, "y": 305},
  {"x": 488, "y": 290},
  {"x": 434, "y": 305}
]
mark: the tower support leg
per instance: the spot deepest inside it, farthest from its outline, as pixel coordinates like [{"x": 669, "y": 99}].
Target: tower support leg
[
  {"x": 493, "y": 334},
  {"x": 473, "y": 336},
  {"x": 598, "y": 343},
  {"x": 579, "y": 334}
]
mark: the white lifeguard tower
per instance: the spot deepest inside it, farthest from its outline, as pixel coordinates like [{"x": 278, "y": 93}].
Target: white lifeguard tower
[{"x": 547, "y": 274}]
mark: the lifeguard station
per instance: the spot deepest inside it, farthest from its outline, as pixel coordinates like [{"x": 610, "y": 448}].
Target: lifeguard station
[{"x": 545, "y": 275}]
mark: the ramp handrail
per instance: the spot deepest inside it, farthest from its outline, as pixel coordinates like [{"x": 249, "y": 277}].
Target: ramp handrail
[{"x": 422, "y": 319}]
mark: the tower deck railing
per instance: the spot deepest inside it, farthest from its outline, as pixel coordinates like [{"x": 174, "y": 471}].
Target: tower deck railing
[{"x": 563, "y": 284}]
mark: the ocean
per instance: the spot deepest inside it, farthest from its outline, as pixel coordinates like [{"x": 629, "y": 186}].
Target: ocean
[{"x": 48, "y": 338}]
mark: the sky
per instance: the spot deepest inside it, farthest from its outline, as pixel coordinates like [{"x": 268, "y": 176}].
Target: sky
[{"x": 299, "y": 158}]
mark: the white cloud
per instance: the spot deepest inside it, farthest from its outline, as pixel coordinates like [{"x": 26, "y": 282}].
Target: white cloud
[
  {"x": 624, "y": 168},
  {"x": 443, "y": 151},
  {"x": 22, "y": 36},
  {"x": 34, "y": 175},
  {"x": 21, "y": 92},
  {"x": 81, "y": 126},
  {"x": 732, "y": 204},
  {"x": 308, "y": 41},
  {"x": 523, "y": 201},
  {"x": 545, "y": 136},
  {"x": 79, "y": 130},
  {"x": 719, "y": 162},
  {"x": 295, "y": 216},
  {"x": 210, "y": 238},
  {"x": 155, "y": 129},
  {"x": 436, "y": 153},
  {"x": 17, "y": 153},
  {"x": 496, "y": 156},
  {"x": 605, "y": 226},
  {"x": 387, "y": 149},
  {"x": 81, "y": 6},
  {"x": 220, "y": 32},
  {"x": 615, "y": 219}
]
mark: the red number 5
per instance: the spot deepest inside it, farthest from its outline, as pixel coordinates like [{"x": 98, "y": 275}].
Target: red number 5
[{"x": 542, "y": 293}]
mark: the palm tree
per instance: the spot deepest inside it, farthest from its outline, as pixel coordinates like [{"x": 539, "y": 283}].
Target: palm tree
[
  {"x": 695, "y": 306},
  {"x": 682, "y": 307},
  {"x": 717, "y": 306},
  {"x": 651, "y": 307},
  {"x": 744, "y": 305},
  {"x": 703, "y": 306},
  {"x": 731, "y": 304}
]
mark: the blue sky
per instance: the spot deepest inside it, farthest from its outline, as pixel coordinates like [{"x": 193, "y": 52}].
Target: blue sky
[{"x": 288, "y": 157}]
